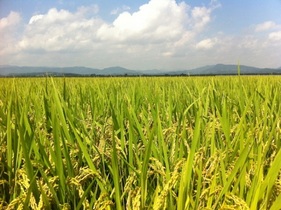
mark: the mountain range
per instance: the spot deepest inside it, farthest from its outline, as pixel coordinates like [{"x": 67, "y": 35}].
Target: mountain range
[{"x": 218, "y": 69}]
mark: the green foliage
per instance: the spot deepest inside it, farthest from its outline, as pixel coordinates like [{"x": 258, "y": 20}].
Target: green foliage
[{"x": 140, "y": 143}]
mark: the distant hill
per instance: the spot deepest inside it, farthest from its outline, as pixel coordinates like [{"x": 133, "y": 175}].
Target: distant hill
[
  {"x": 218, "y": 69},
  {"x": 22, "y": 70},
  {"x": 222, "y": 69},
  {"x": 117, "y": 70},
  {"x": 60, "y": 71},
  {"x": 228, "y": 69}
]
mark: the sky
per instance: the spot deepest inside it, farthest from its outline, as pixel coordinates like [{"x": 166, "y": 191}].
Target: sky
[{"x": 140, "y": 35}]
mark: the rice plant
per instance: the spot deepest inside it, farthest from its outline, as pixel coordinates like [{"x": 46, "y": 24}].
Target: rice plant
[{"x": 140, "y": 143}]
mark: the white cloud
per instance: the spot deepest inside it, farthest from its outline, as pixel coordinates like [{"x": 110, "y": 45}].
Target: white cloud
[
  {"x": 154, "y": 21},
  {"x": 9, "y": 32},
  {"x": 206, "y": 43},
  {"x": 201, "y": 16},
  {"x": 59, "y": 30},
  {"x": 11, "y": 20},
  {"x": 53, "y": 16},
  {"x": 265, "y": 26},
  {"x": 275, "y": 36},
  {"x": 271, "y": 35},
  {"x": 35, "y": 18}
]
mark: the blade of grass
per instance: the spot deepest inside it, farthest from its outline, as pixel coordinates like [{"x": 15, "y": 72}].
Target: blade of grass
[
  {"x": 115, "y": 174},
  {"x": 186, "y": 177}
]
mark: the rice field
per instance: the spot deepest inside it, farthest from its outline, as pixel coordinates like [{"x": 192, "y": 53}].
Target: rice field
[{"x": 140, "y": 143}]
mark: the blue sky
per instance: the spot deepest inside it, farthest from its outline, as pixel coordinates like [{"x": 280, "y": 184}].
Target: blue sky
[{"x": 145, "y": 34}]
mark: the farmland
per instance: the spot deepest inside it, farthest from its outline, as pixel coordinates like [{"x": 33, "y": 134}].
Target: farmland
[{"x": 140, "y": 143}]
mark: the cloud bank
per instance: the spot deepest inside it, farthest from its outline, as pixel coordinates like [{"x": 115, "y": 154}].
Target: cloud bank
[{"x": 160, "y": 34}]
